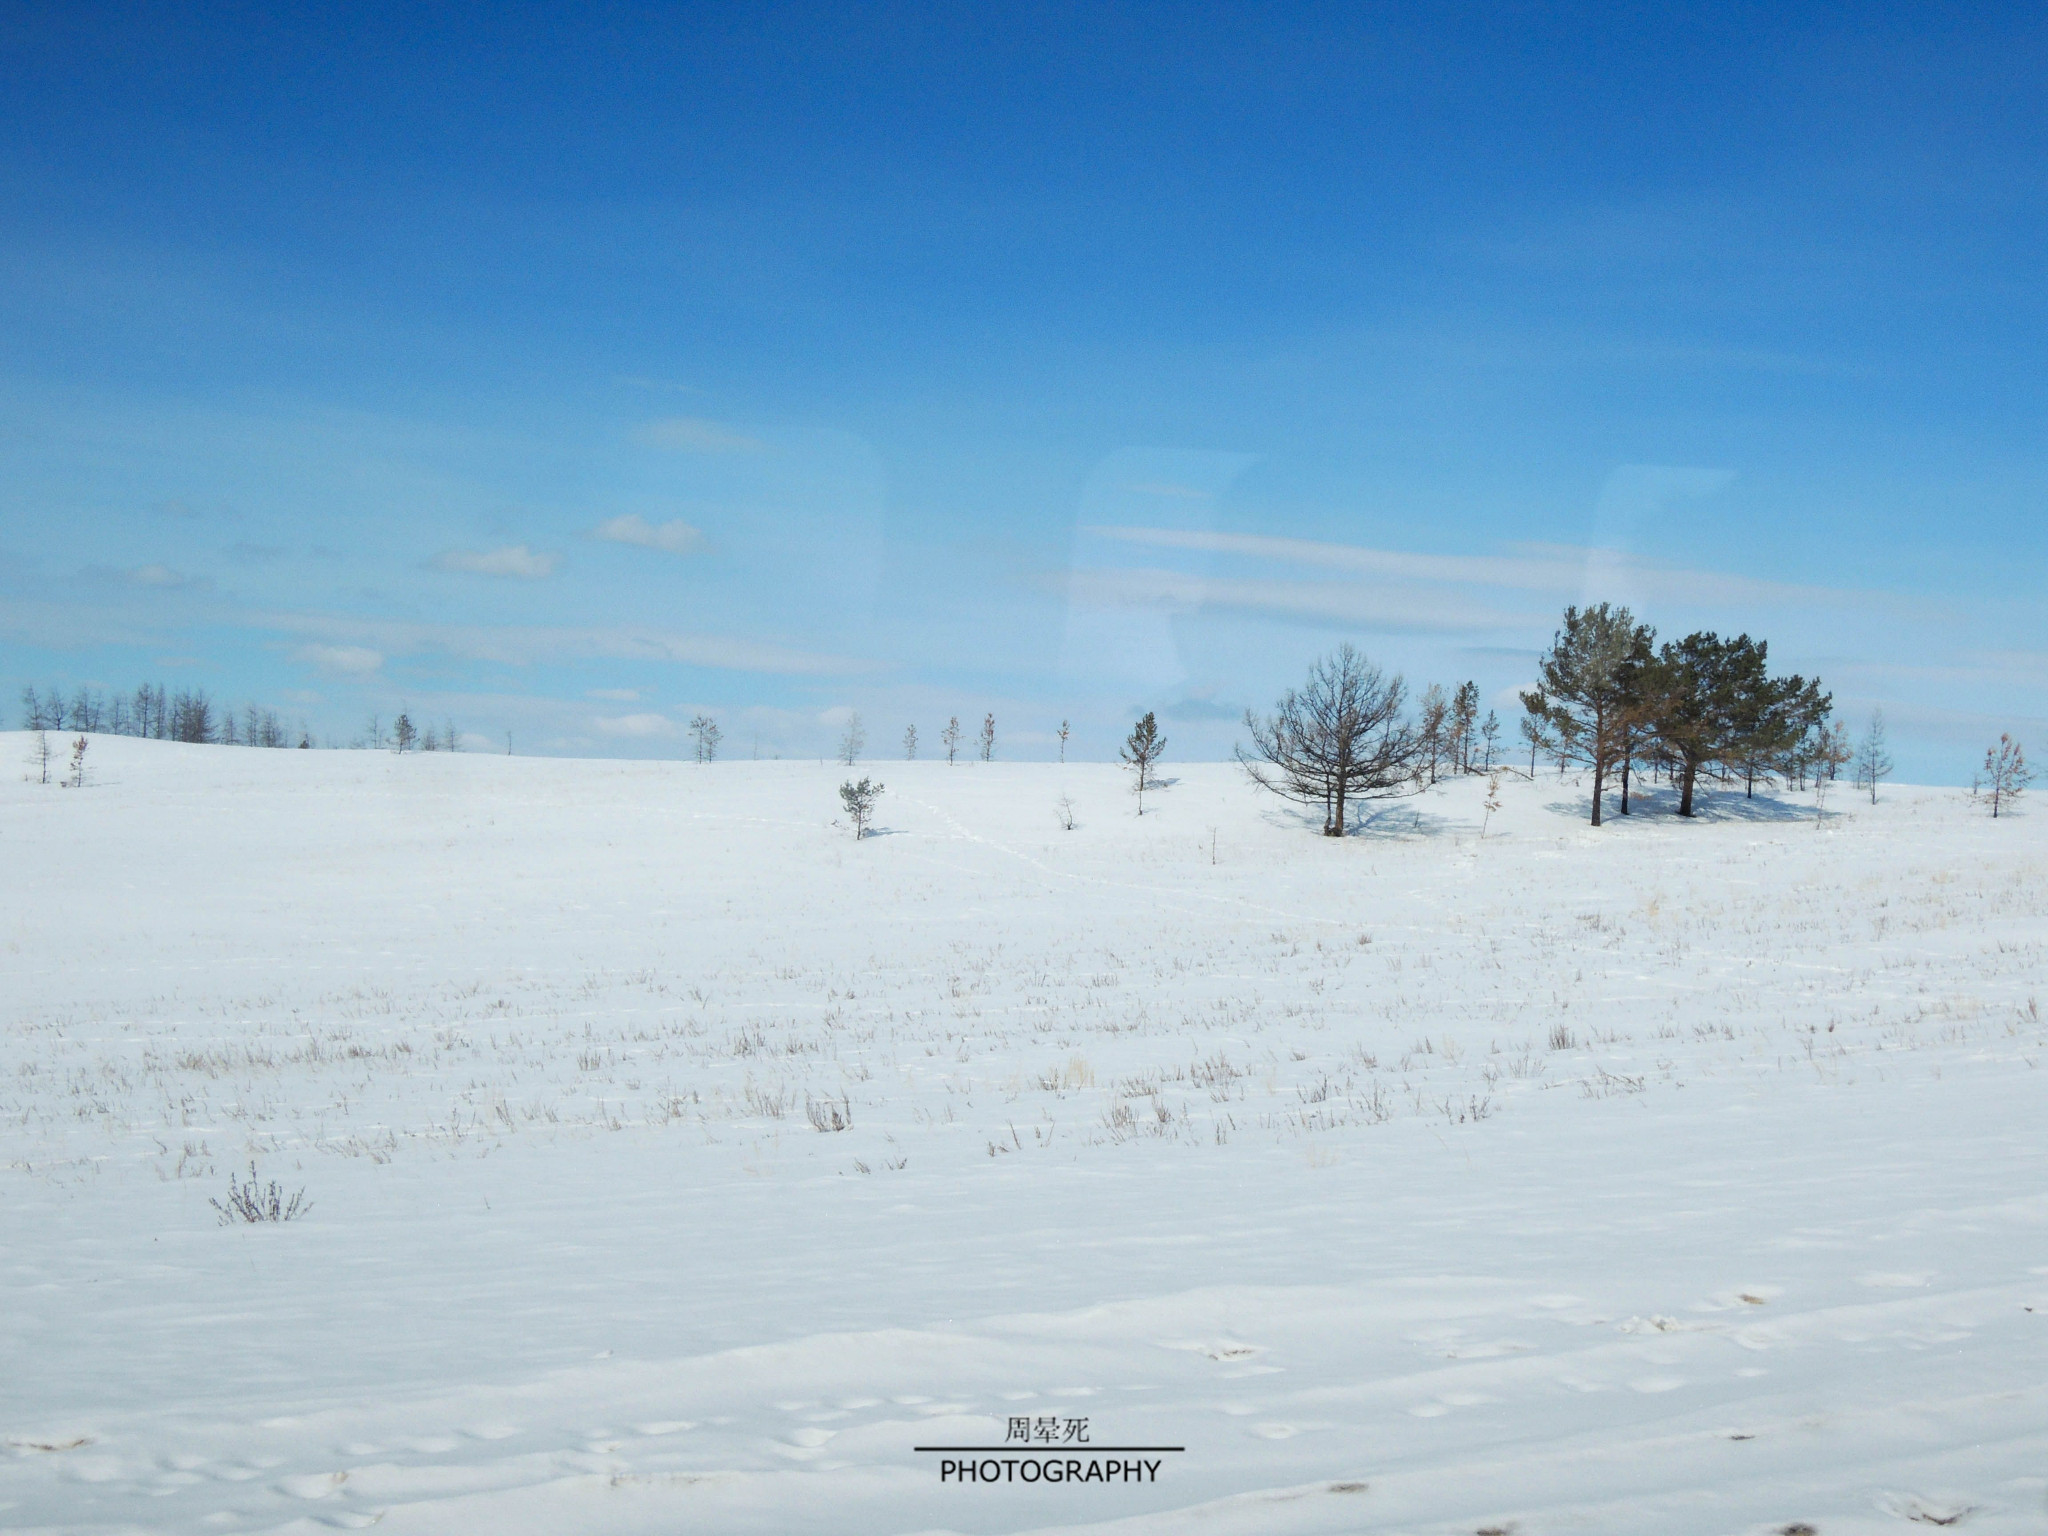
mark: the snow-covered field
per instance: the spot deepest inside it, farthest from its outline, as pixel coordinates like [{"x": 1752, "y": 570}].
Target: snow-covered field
[{"x": 1661, "y": 1178}]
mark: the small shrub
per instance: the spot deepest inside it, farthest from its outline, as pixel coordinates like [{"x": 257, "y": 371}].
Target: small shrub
[
  {"x": 257, "y": 1202},
  {"x": 829, "y": 1114}
]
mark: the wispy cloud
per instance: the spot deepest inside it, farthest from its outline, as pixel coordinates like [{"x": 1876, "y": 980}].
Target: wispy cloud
[
  {"x": 528, "y": 645},
  {"x": 676, "y": 536},
  {"x": 615, "y": 695},
  {"x": 69, "y": 626},
  {"x": 1554, "y": 569},
  {"x": 161, "y": 576},
  {"x": 1196, "y": 708},
  {"x": 694, "y": 434},
  {"x": 514, "y": 560},
  {"x": 340, "y": 660},
  {"x": 1383, "y": 606},
  {"x": 1169, "y": 488},
  {"x": 635, "y": 725}
]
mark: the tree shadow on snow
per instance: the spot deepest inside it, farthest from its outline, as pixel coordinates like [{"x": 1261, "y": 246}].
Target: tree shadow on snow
[
  {"x": 1660, "y": 802},
  {"x": 1368, "y": 818}
]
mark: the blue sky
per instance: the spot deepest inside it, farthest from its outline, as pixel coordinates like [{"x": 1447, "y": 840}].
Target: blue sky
[{"x": 571, "y": 371}]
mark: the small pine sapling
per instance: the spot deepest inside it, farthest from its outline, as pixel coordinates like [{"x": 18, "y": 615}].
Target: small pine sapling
[
  {"x": 951, "y": 737},
  {"x": 988, "y": 738},
  {"x": 1141, "y": 750},
  {"x": 1492, "y": 802},
  {"x": 910, "y": 743},
  {"x": 859, "y": 800},
  {"x": 1065, "y": 731},
  {"x": 1064, "y": 809},
  {"x": 854, "y": 741},
  {"x": 75, "y": 779},
  {"x": 39, "y": 756}
]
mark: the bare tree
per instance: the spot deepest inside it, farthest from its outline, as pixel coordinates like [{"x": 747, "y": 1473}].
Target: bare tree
[
  {"x": 192, "y": 716},
  {"x": 2004, "y": 776},
  {"x": 1337, "y": 738},
  {"x": 1541, "y": 738},
  {"x": 988, "y": 738},
  {"x": 1064, "y": 731},
  {"x": 1492, "y": 802},
  {"x": 1432, "y": 717},
  {"x": 1141, "y": 749},
  {"x": 853, "y": 741},
  {"x": 859, "y": 800},
  {"x": 704, "y": 736},
  {"x": 39, "y": 756},
  {"x": 1587, "y": 687},
  {"x": 1064, "y": 809},
  {"x": 1830, "y": 750},
  {"x": 1873, "y": 762},
  {"x": 910, "y": 743},
  {"x": 1463, "y": 725},
  {"x": 951, "y": 737}
]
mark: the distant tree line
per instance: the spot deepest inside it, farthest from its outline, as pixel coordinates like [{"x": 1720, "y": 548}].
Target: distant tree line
[
  {"x": 154, "y": 712},
  {"x": 190, "y": 715}
]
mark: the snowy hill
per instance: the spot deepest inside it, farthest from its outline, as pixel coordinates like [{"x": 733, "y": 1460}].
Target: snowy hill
[{"x": 678, "y": 1163}]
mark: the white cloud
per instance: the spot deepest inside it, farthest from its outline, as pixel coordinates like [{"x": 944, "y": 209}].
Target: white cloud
[
  {"x": 635, "y": 725},
  {"x": 513, "y": 560},
  {"x": 342, "y": 660},
  {"x": 693, "y": 434},
  {"x": 677, "y": 536},
  {"x": 615, "y": 695}
]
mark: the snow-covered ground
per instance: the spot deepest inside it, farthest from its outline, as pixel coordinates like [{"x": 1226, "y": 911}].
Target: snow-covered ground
[{"x": 1661, "y": 1178}]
